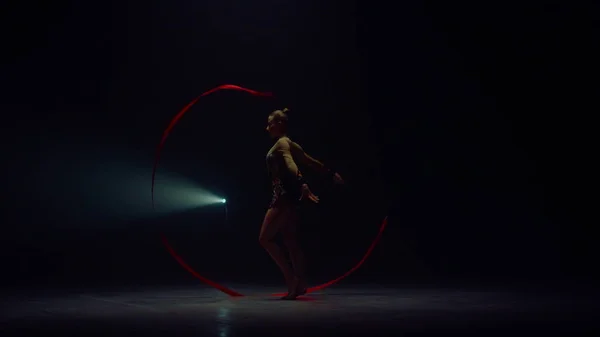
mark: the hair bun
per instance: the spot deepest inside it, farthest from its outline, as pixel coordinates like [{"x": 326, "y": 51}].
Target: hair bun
[{"x": 285, "y": 110}]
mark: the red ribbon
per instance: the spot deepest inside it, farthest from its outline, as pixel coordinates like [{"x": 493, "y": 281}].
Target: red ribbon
[
  {"x": 181, "y": 261},
  {"x": 184, "y": 110},
  {"x": 234, "y": 293}
]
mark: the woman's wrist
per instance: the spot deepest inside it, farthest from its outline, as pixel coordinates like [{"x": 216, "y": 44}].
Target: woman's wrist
[
  {"x": 301, "y": 181},
  {"x": 330, "y": 173}
]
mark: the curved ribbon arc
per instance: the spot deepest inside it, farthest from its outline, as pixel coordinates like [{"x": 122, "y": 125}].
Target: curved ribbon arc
[
  {"x": 179, "y": 259},
  {"x": 193, "y": 272},
  {"x": 359, "y": 264},
  {"x": 309, "y": 290},
  {"x": 157, "y": 159},
  {"x": 353, "y": 269},
  {"x": 184, "y": 110}
]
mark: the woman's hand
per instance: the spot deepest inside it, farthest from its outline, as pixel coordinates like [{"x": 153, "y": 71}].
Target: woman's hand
[
  {"x": 338, "y": 179},
  {"x": 307, "y": 194}
]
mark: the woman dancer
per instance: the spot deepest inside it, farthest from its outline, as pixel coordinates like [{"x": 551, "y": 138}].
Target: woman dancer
[{"x": 289, "y": 188}]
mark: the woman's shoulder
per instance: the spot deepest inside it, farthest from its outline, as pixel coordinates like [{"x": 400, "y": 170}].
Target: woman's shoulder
[
  {"x": 284, "y": 140},
  {"x": 291, "y": 144}
]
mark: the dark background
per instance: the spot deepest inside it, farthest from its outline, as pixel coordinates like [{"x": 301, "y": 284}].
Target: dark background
[{"x": 465, "y": 123}]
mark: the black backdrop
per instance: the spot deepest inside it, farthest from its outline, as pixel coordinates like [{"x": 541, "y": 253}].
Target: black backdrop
[{"x": 461, "y": 122}]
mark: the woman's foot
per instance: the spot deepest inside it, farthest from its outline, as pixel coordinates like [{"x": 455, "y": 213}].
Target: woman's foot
[
  {"x": 296, "y": 288},
  {"x": 302, "y": 287}
]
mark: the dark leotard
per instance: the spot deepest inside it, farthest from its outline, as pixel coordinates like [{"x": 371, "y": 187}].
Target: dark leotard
[
  {"x": 284, "y": 172},
  {"x": 286, "y": 178}
]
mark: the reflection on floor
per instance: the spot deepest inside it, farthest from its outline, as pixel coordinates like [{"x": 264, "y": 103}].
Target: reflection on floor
[{"x": 340, "y": 311}]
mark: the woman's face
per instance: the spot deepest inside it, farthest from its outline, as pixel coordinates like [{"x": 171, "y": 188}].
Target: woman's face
[{"x": 274, "y": 128}]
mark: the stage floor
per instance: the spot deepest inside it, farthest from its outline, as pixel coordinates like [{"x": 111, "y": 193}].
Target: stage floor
[{"x": 339, "y": 311}]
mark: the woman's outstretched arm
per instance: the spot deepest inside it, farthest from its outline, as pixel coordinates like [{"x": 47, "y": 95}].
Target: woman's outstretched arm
[
  {"x": 284, "y": 148},
  {"x": 305, "y": 159}
]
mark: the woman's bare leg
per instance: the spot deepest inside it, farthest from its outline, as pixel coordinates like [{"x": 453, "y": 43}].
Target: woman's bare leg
[
  {"x": 271, "y": 225},
  {"x": 290, "y": 239}
]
